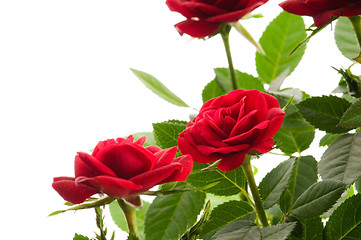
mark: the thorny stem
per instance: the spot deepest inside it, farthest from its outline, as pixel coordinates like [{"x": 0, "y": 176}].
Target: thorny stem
[{"x": 247, "y": 169}]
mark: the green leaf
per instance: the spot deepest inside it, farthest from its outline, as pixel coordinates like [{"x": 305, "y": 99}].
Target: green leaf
[
  {"x": 150, "y": 138},
  {"x": 324, "y": 112},
  {"x": 80, "y": 237},
  {"x": 358, "y": 185},
  {"x": 275, "y": 182},
  {"x": 295, "y": 134},
  {"x": 158, "y": 88},
  {"x": 281, "y": 36},
  {"x": 341, "y": 161},
  {"x": 352, "y": 117},
  {"x": 328, "y": 139},
  {"x": 345, "y": 222},
  {"x": 318, "y": 198},
  {"x": 303, "y": 176},
  {"x": 244, "y": 80},
  {"x": 222, "y": 83},
  {"x": 224, "y": 214},
  {"x": 226, "y": 184},
  {"x": 166, "y": 133},
  {"x": 306, "y": 229},
  {"x": 278, "y": 232},
  {"x": 212, "y": 90},
  {"x": 346, "y": 39},
  {"x": 119, "y": 219},
  {"x": 168, "y": 217},
  {"x": 238, "y": 230}
]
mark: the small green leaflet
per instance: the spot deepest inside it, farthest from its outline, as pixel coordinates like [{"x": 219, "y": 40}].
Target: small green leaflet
[
  {"x": 341, "y": 161},
  {"x": 150, "y": 138},
  {"x": 318, "y": 198},
  {"x": 158, "y": 88},
  {"x": 324, "y": 112},
  {"x": 168, "y": 217},
  {"x": 304, "y": 174},
  {"x": 246, "y": 230},
  {"x": 352, "y": 117},
  {"x": 222, "y": 83},
  {"x": 166, "y": 133},
  {"x": 224, "y": 214},
  {"x": 80, "y": 237},
  {"x": 345, "y": 222},
  {"x": 225, "y": 184},
  {"x": 281, "y": 36},
  {"x": 346, "y": 39},
  {"x": 306, "y": 229},
  {"x": 328, "y": 139},
  {"x": 275, "y": 182}
]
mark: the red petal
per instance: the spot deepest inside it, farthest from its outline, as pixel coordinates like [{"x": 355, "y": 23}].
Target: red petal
[
  {"x": 165, "y": 157},
  {"x": 186, "y": 148},
  {"x": 197, "y": 29},
  {"x": 232, "y": 162},
  {"x": 71, "y": 192},
  {"x": 127, "y": 160},
  {"x": 114, "y": 187},
  {"x": 187, "y": 165},
  {"x": 97, "y": 167}
]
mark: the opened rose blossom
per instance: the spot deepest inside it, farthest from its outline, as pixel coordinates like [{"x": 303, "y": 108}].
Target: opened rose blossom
[
  {"x": 231, "y": 126},
  {"x": 323, "y": 11},
  {"x": 204, "y": 18},
  {"x": 120, "y": 167}
]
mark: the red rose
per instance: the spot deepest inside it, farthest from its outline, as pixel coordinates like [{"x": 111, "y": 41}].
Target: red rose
[
  {"x": 205, "y": 17},
  {"x": 322, "y": 11},
  {"x": 231, "y": 126},
  {"x": 122, "y": 167}
]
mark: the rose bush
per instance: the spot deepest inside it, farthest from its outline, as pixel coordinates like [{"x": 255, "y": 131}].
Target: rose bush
[
  {"x": 205, "y": 17},
  {"x": 322, "y": 11},
  {"x": 231, "y": 126},
  {"x": 120, "y": 167}
]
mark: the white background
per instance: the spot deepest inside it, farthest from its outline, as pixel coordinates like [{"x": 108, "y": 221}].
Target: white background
[{"x": 65, "y": 84}]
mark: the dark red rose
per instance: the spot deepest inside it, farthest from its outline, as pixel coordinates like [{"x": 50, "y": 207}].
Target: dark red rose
[
  {"x": 204, "y": 17},
  {"x": 120, "y": 167},
  {"x": 231, "y": 126},
  {"x": 322, "y": 11}
]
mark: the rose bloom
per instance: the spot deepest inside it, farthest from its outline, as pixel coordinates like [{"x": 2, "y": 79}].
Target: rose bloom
[
  {"x": 204, "y": 17},
  {"x": 231, "y": 126},
  {"x": 322, "y": 11},
  {"x": 120, "y": 167}
]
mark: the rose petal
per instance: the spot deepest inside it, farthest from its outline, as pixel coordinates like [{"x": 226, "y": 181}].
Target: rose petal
[
  {"x": 92, "y": 164},
  {"x": 127, "y": 160},
  {"x": 152, "y": 178},
  {"x": 165, "y": 157},
  {"x": 112, "y": 186},
  {"x": 197, "y": 29},
  {"x": 231, "y": 162},
  {"x": 71, "y": 192},
  {"x": 206, "y": 150},
  {"x": 247, "y": 137},
  {"x": 264, "y": 146},
  {"x": 186, "y": 148},
  {"x": 181, "y": 175}
]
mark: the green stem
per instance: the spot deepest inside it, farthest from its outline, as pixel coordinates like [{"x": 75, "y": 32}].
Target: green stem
[
  {"x": 356, "y": 23},
  {"x": 225, "y": 38},
  {"x": 247, "y": 169},
  {"x": 129, "y": 213}
]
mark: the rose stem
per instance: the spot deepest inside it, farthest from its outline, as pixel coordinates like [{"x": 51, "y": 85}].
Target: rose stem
[
  {"x": 225, "y": 37},
  {"x": 129, "y": 213},
  {"x": 356, "y": 23},
  {"x": 247, "y": 169}
]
